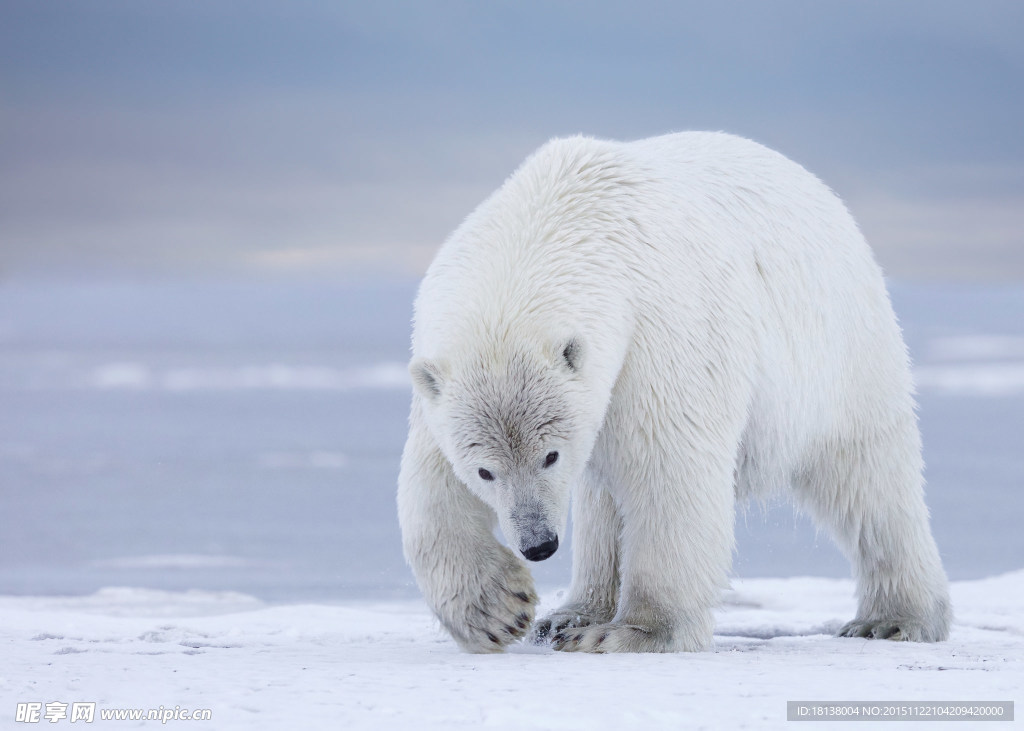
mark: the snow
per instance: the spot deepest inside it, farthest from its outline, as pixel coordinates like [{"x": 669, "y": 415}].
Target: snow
[{"x": 363, "y": 665}]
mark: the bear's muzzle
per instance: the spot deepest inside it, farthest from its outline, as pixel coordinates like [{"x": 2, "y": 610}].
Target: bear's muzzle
[{"x": 542, "y": 550}]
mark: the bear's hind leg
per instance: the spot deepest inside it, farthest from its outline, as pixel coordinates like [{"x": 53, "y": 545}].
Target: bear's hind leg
[
  {"x": 595, "y": 559},
  {"x": 869, "y": 492}
]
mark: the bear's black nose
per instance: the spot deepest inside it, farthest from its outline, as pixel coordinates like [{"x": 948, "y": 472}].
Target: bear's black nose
[{"x": 543, "y": 551}]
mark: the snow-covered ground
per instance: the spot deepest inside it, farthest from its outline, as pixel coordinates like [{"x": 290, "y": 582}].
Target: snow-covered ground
[
  {"x": 386, "y": 665},
  {"x": 228, "y": 452}
]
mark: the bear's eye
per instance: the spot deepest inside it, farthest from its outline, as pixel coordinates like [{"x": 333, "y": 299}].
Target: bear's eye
[
  {"x": 550, "y": 459},
  {"x": 485, "y": 475}
]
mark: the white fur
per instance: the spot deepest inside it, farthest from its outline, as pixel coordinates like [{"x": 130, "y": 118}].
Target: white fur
[{"x": 686, "y": 320}]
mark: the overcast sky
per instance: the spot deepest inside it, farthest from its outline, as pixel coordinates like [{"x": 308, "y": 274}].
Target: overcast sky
[{"x": 351, "y": 137}]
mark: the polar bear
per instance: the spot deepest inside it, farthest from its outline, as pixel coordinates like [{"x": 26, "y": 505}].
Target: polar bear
[{"x": 659, "y": 328}]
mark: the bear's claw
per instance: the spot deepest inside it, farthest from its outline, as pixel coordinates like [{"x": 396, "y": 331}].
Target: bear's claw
[
  {"x": 611, "y": 638},
  {"x": 500, "y": 613},
  {"x": 895, "y": 630},
  {"x": 566, "y": 618}
]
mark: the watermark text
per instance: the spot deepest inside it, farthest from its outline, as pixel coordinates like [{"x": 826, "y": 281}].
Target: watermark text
[{"x": 86, "y": 712}]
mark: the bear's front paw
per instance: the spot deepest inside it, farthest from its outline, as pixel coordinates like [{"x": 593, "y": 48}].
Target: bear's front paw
[
  {"x": 499, "y": 613},
  {"x": 567, "y": 617}
]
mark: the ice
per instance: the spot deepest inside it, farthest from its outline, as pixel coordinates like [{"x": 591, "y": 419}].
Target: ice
[
  {"x": 973, "y": 365},
  {"x": 274, "y": 376},
  {"x": 992, "y": 379},
  {"x": 174, "y": 561},
  {"x": 123, "y": 375},
  {"x": 976, "y": 347},
  {"x": 387, "y": 665}
]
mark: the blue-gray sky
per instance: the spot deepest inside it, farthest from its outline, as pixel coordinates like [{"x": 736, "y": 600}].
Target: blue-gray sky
[{"x": 346, "y": 137}]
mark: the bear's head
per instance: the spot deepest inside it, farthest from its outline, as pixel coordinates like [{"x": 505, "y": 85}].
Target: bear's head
[{"x": 509, "y": 424}]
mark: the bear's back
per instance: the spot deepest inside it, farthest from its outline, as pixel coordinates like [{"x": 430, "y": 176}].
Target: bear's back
[{"x": 590, "y": 235}]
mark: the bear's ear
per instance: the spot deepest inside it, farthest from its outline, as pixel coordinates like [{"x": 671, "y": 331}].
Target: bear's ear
[
  {"x": 571, "y": 354},
  {"x": 427, "y": 377}
]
